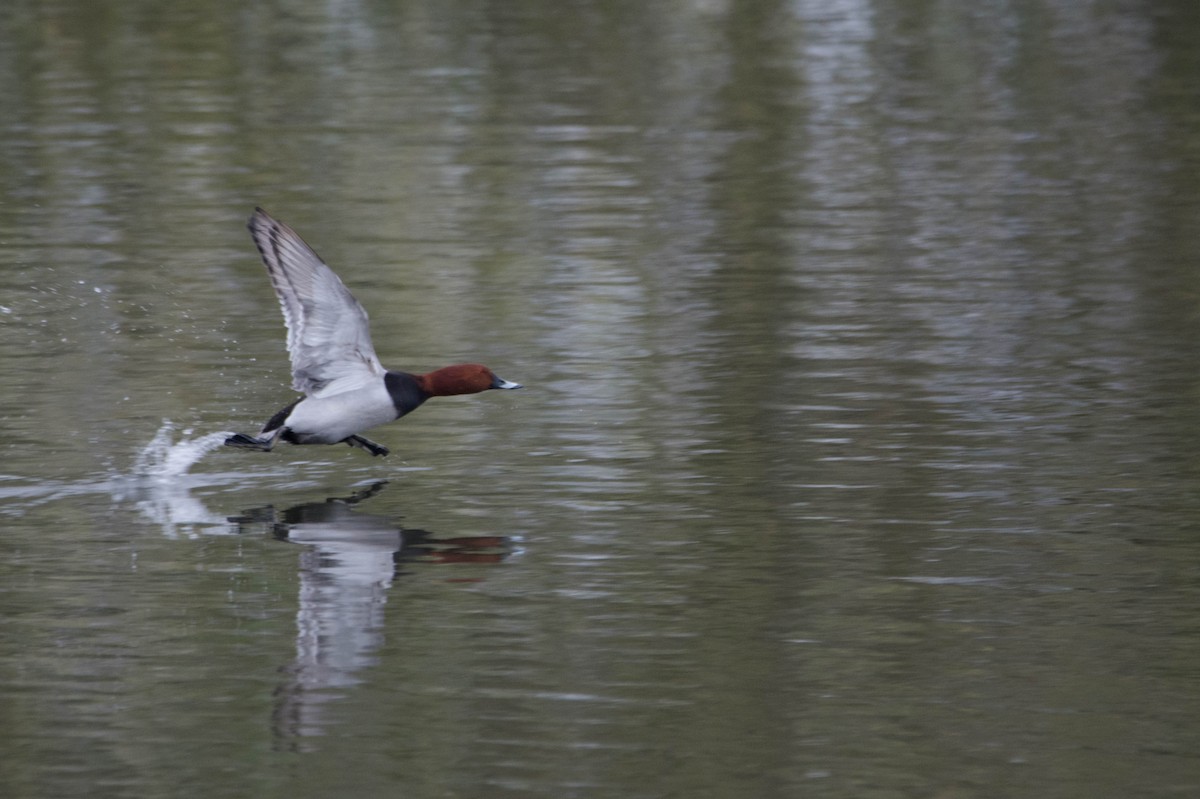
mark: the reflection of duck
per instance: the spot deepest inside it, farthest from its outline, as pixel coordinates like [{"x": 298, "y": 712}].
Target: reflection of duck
[{"x": 348, "y": 564}]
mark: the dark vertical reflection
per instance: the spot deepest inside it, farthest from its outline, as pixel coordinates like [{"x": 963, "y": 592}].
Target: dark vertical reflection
[{"x": 753, "y": 194}]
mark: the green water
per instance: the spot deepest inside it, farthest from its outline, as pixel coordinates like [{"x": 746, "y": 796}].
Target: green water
[{"x": 857, "y": 458}]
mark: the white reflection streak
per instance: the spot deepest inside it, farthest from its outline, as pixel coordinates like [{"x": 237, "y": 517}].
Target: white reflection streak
[
  {"x": 344, "y": 578},
  {"x": 345, "y": 572},
  {"x": 846, "y": 208},
  {"x": 840, "y": 80}
]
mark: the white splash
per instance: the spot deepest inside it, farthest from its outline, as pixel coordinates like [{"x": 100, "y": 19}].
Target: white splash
[
  {"x": 158, "y": 484},
  {"x": 164, "y": 459},
  {"x": 160, "y": 487}
]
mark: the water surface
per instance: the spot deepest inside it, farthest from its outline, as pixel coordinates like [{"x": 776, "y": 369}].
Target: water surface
[{"x": 858, "y": 453}]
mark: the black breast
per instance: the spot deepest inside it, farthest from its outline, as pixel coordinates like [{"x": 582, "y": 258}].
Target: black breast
[{"x": 406, "y": 393}]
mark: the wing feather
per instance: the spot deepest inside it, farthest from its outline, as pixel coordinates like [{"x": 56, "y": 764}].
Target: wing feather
[{"x": 329, "y": 340}]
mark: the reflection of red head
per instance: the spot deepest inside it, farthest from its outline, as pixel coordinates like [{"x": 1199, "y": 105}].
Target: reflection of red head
[{"x": 458, "y": 556}]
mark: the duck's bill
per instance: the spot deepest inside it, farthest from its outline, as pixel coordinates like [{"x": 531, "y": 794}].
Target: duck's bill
[{"x": 500, "y": 382}]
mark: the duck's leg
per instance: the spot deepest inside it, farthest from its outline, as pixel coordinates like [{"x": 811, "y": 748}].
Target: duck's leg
[{"x": 367, "y": 444}]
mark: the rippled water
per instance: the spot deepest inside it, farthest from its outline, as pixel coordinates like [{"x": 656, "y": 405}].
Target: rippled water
[{"x": 857, "y": 456}]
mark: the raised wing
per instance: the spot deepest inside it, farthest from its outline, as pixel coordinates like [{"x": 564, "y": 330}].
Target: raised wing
[{"x": 329, "y": 340}]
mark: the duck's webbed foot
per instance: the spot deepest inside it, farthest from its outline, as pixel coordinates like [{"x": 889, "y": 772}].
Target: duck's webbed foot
[
  {"x": 243, "y": 441},
  {"x": 367, "y": 444}
]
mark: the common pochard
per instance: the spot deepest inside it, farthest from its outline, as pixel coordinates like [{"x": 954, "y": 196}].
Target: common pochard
[{"x": 346, "y": 389}]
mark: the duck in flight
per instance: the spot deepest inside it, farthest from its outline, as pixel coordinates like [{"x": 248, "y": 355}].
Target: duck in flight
[{"x": 346, "y": 389}]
